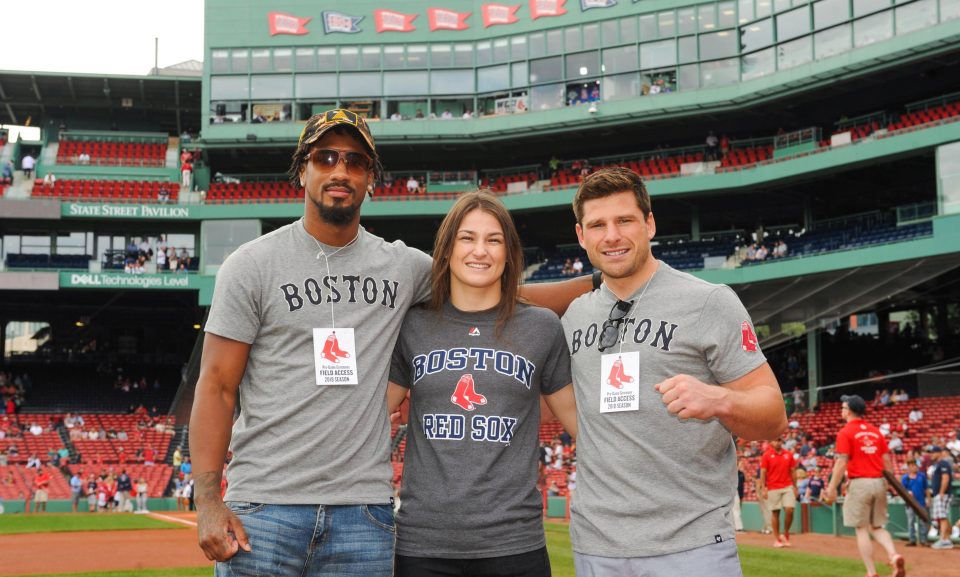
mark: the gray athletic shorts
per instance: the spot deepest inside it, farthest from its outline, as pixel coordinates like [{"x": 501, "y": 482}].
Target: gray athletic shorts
[{"x": 717, "y": 560}]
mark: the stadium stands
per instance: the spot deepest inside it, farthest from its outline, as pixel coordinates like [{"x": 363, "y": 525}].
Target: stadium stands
[
  {"x": 111, "y": 153},
  {"x": 55, "y": 261},
  {"x": 268, "y": 191},
  {"x": 108, "y": 190}
]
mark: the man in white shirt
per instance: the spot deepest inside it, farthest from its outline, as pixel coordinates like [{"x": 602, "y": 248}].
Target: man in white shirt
[
  {"x": 413, "y": 185},
  {"x": 27, "y": 165}
]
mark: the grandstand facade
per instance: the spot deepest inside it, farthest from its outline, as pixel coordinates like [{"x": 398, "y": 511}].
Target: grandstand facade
[{"x": 825, "y": 132}]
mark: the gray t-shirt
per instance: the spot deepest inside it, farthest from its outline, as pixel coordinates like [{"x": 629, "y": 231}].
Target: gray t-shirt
[
  {"x": 470, "y": 469},
  {"x": 296, "y": 442},
  {"x": 647, "y": 483}
]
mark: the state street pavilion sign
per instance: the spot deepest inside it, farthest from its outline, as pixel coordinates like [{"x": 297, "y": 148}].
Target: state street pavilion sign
[
  {"x": 106, "y": 210},
  {"x": 120, "y": 280}
]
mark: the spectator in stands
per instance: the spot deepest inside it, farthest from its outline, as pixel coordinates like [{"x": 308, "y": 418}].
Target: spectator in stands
[
  {"x": 862, "y": 454},
  {"x": 142, "y": 489},
  {"x": 751, "y": 254},
  {"x": 33, "y": 462},
  {"x": 916, "y": 415},
  {"x": 915, "y": 481},
  {"x": 896, "y": 443},
  {"x": 778, "y": 473},
  {"x": 186, "y": 175},
  {"x": 49, "y": 180},
  {"x": 83, "y": 158},
  {"x": 941, "y": 497},
  {"x": 41, "y": 485},
  {"x": 27, "y": 163},
  {"x": 149, "y": 456},
  {"x": 713, "y": 146},
  {"x": 567, "y": 269},
  {"x": 177, "y": 458},
  {"x": 577, "y": 266},
  {"x": 762, "y": 253},
  {"x": 334, "y": 165},
  {"x": 615, "y": 225},
  {"x": 446, "y": 115},
  {"x": 7, "y": 176},
  {"x": 477, "y": 269},
  {"x": 413, "y": 185},
  {"x": 35, "y": 429},
  {"x": 419, "y": 114}
]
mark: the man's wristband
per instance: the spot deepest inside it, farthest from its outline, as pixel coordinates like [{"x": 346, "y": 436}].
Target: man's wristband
[{"x": 597, "y": 279}]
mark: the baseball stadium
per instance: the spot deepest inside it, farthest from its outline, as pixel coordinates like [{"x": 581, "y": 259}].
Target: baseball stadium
[{"x": 806, "y": 153}]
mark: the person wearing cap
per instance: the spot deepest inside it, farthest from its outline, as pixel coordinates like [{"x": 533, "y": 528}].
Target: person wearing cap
[
  {"x": 862, "y": 454},
  {"x": 301, "y": 330},
  {"x": 940, "y": 489}
]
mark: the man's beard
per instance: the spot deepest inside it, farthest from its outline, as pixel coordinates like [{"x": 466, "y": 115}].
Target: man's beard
[{"x": 337, "y": 215}]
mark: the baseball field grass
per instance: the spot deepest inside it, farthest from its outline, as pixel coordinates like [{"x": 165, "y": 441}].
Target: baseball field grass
[{"x": 53, "y": 522}]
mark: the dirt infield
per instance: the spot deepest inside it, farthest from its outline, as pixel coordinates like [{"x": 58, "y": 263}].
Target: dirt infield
[
  {"x": 130, "y": 550},
  {"x": 921, "y": 561},
  {"x": 104, "y": 550}
]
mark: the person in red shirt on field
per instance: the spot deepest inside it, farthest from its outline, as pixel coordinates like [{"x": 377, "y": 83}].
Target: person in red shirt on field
[
  {"x": 41, "y": 484},
  {"x": 778, "y": 488},
  {"x": 863, "y": 454}
]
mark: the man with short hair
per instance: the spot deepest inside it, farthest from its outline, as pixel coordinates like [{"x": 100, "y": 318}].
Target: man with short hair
[
  {"x": 666, "y": 368},
  {"x": 41, "y": 485},
  {"x": 940, "y": 489},
  {"x": 76, "y": 489},
  {"x": 862, "y": 454},
  {"x": 915, "y": 481},
  {"x": 778, "y": 471}
]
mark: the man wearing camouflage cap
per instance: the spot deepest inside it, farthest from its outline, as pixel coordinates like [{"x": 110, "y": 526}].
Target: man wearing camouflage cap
[{"x": 301, "y": 329}]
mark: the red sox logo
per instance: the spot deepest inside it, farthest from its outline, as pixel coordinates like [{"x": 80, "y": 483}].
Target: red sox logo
[
  {"x": 748, "y": 340},
  {"x": 464, "y": 396},
  {"x": 617, "y": 376},
  {"x": 332, "y": 351}
]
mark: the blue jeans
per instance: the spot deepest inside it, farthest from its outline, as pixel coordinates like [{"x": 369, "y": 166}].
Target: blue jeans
[
  {"x": 912, "y": 521},
  {"x": 313, "y": 540}
]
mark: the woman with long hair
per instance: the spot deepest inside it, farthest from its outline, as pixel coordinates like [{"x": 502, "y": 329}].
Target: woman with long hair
[{"x": 475, "y": 362}]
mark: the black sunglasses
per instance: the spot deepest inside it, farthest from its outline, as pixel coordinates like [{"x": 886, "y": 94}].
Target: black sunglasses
[
  {"x": 328, "y": 159},
  {"x": 610, "y": 331}
]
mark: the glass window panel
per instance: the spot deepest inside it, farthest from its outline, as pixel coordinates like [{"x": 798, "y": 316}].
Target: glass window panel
[
  {"x": 756, "y": 35},
  {"x": 719, "y": 72},
  {"x": 610, "y": 30},
  {"x": 219, "y": 61},
  {"x": 689, "y": 77},
  {"x": 727, "y": 16},
  {"x": 370, "y": 57},
  {"x": 451, "y": 82},
  {"x": 707, "y": 16},
  {"x": 405, "y": 83},
  {"x": 360, "y": 84},
  {"x": 826, "y": 13},
  {"x": 518, "y": 48},
  {"x": 571, "y": 38},
  {"x": 260, "y": 60},
  {"x": 746, "y": 11},
  {"x": 537, "y": 47},
  {"x": 648, "y": 27},
  {"x": 305, "y": 60},
  {"x": 621, "y": 86},
  {"x": 872, "y": 29},
  {"x": 546, "y": 70},
  {"x": 501, "y": 50},
  {"x": 349, "y": 58},
  {"x": 271, "y": 86},
  {"x": 417, "y": 56},
  {"x": 327, "y": 58},
  {"x": 686, "y": 21},
  {"x": 718, "y": 45},
  {"x": 393, "y": 57},
  {"x": 781, "y": 5},
  {"x": 794, "y": 23},
  {"x": 667, "y": 24},
  {"x": 583, "y": 65},
  {"x": 484, "y": 53},
  {"x": 546, "y": 97},
  {"x": 916, "y": 15},
  {"x": 229, "y": 88},
  {"x": 658, "y": 54},
  {"x": 441, "y": 55},
  {"x": 463, "y": 54},
  {"x": 757, "y": 64},
  {"x": 861, "y": 7},
  {"x": 282, "y": 60},
  {"x": 519, "y": 74},
  {"x": 949, "y": 10},
  {"x": 591, "y": 36},
  {"x": 764, "y": 8},
  {"x": 832, "y": 41},
  {"x": 493, "y": 78},
  {"x": 238, "y": 61},
  {"x": 554, "y": 41},
  {"x": 794, "y": 53},
  {"x": 316, "y": 85},
  {"x": 628, "y": 30},
  {"x": 623, "y": 59},
  {"x": 688, "y": 49}
]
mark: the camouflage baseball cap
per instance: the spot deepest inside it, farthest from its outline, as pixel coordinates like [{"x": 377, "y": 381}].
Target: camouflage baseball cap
[{"x": 320, "y": 124}]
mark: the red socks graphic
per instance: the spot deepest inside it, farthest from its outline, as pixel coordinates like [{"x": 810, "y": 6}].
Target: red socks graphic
[
  {"x": 464, "y": 396},
  {"x": 617, "y": 376},
  {"x": 332, "y": 351}
]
